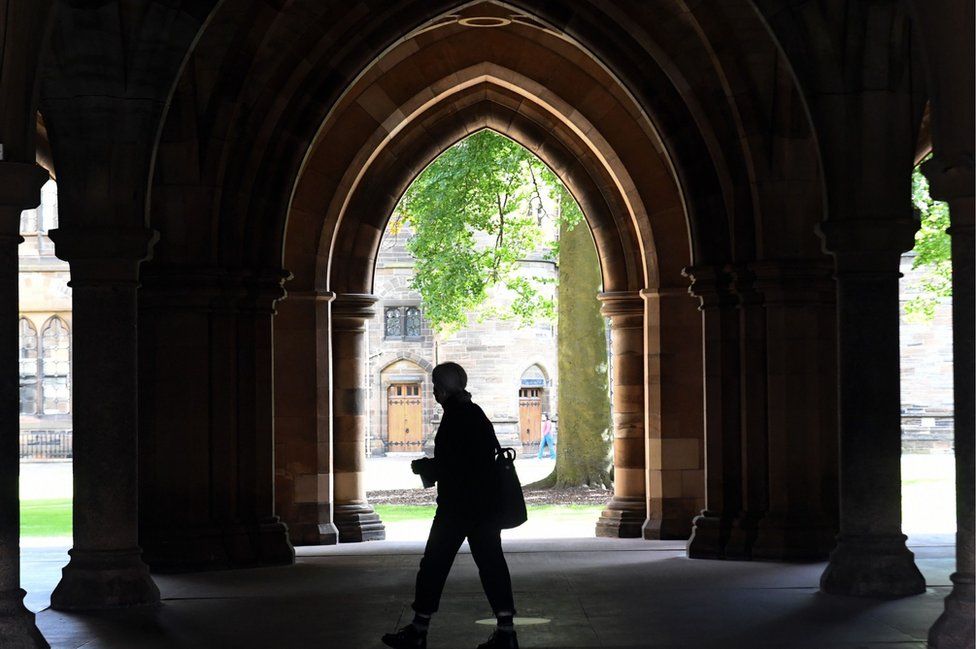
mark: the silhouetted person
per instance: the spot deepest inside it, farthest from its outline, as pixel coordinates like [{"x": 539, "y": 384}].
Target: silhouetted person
[{"x": 462, "y": 466}]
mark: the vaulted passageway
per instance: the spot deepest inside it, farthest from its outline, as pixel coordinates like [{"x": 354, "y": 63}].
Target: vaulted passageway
[{"x": 755, "y": 153}]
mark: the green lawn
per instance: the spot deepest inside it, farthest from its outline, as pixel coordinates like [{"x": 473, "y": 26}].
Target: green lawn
[
  {"x": 45, "y": 517},
  {"x": 549, "y": 513}
]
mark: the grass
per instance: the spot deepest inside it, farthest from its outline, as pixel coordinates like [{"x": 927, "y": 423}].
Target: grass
[
  {"x": 53, "y": 517},
  {"x": 549, "y": 513},
  {"x": 45, "y": 517}
]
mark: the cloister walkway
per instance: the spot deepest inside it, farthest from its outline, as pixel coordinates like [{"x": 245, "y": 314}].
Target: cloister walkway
[{"x": 595, "y": 592}]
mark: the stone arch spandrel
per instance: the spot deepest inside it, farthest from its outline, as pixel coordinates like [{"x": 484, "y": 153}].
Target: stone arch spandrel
[
  {"x": 249, "y": 144},
  {"x": 657, "y": 186},
  {"x": 356, "y": 245}
]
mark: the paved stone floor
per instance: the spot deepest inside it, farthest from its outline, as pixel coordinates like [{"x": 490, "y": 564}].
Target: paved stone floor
[{"x": 596, "y": 592}]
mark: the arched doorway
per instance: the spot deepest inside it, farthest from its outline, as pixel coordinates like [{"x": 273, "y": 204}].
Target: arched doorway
[
  {"x": 403, "y": 425},
  {"x": 534, "y": 400}
]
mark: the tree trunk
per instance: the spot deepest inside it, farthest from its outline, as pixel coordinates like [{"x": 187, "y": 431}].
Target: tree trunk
[{"x": 584, "y": 396}]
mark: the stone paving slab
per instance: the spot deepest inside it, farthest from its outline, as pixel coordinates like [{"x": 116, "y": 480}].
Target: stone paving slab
[{"x": 595, "y": 592}]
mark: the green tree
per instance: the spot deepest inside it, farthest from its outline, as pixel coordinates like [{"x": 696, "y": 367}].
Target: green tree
[
  {"x": 932, "y": 251},
  {"x": 475, "y": 212}
]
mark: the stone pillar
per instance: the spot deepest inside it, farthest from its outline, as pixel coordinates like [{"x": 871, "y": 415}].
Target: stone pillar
[
  {"x": 801, "y": 521},
  {"x": 20, "y": 186},
  {"x": 626, "y": 513},
  {"x": 106, "y": 568},
  {"x": 954, "y": 183},
  {"x": 755, "y": 443},
  {"x": 723, "y": 460},
  {"x": 673, "y": 397},
  {"x": 256, "y": 388},
  {"x": 303, "y": 418},
  {"x": 871, "y": 558},
  {"x": 354, "y": 518}
]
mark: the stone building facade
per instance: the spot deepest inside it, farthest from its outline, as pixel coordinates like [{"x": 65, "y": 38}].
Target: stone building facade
[
  {"x": 926, "y": 371},
  {"x": 45, "y": 336},
  {"x": 511, "y": 369}
]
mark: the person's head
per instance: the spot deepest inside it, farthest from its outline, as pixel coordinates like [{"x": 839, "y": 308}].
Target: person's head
[
  {"x": 449, "y": 379},
  {"x": 545, "y": 416}
]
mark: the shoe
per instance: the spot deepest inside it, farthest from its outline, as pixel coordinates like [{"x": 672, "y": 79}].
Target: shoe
[
  {"x": 406, "y": 638},
  {"x": 500, "y": 640}
]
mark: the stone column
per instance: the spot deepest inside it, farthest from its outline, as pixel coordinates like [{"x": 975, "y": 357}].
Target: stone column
[
  {"x": 303, "y": 418},
  {"x": 801, "y": 521},
  {"x": 954, "y": 183},
  {"x": 106, "y": 568},
  {"x": 673, "y": 394},
  {"x": 755, "y": 442},
  {"x": 20, "y": 186},
  {"x": 626, "y": 513},
  {"x": 723, "y": 460},
  {"x": 354, "y": 518},
  {"x": 871, "y": 558},
  {"x": 256, "y": 387}
]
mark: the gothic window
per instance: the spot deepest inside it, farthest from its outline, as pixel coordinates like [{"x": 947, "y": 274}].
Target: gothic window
[
  {"x": 28, "y": 368},
  {"x": 413, "y": 322},
  {"x": 401, "y": 322},
  {"x": 394, "y": 322},
  {"x": 56, "y": 367}
]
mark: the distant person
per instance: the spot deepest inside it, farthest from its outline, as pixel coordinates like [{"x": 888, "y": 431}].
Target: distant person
[
  {"x": 462, "y": 466},
  {"x": 547, "y": 438}
]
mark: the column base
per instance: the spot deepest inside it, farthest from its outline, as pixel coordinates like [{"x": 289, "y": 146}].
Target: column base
[
  {"x": 622, "y": 519},
  {"x": 313, "y": 534},
  {"x": 709, "y": 536},
  {"x": 743, "y": 534},
  {"x": 95, "y": 580},
  {"x": 17, "y": 627},
  {"x": 955, "y": 628},
  {"x": 669, "y": 519},
  {"x": 872, "y": 566},
  {"x": 170, "y": 550},
  {"x": 666, "y": 529},
  {"x": 273, "y": 546},
  {"x": 357, "y": 523},
  {"x": 793, "y": 538}
]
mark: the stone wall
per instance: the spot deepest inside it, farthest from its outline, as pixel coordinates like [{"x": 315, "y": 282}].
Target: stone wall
[
  {"x": 926, "y": 372},
  {"x": 44, "y": 294},
  {"x": 495, "y": 353}
]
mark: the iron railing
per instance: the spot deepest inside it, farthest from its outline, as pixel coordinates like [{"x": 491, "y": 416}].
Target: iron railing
[{"x": 45, "y": 445}]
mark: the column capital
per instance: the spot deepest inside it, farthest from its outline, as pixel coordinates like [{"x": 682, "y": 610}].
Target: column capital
[
  {"x": 621, "y": 303},
  {"x": 788, "y": 281},
  {"x": 212, "y": 289},
  {"x": 354, "y": 306},
  {"x": 950, "y": 179},
  {"x": 101, "y": 255},
  {"x": 20, "y": 189},
  {"x": 712, "y": 285},
  {"x": 314, "y": 295},
  {"x": 20, "y": 184},
  {"x": 868, "y": 245},
  {"x": 263, "y": 289}
]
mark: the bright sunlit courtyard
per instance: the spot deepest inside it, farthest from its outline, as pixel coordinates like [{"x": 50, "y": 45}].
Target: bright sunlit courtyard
[{"x": 928, "y": 497}]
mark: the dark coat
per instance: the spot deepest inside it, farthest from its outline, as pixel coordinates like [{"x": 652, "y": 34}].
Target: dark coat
[{"x": 464, "y": 452}]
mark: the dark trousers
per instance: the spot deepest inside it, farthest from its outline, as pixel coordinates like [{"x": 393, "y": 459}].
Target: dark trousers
[{"x": 446, "y": 536}]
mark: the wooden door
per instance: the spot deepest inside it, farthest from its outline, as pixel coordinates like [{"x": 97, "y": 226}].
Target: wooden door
[
  {"x": 530, "y": 416},
  {"x": 404, "y": 418}
]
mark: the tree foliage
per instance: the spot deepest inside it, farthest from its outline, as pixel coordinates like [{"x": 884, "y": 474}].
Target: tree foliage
[
  {"x": 475, "y": 212},
  {"x": 932, "y": 251}
]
